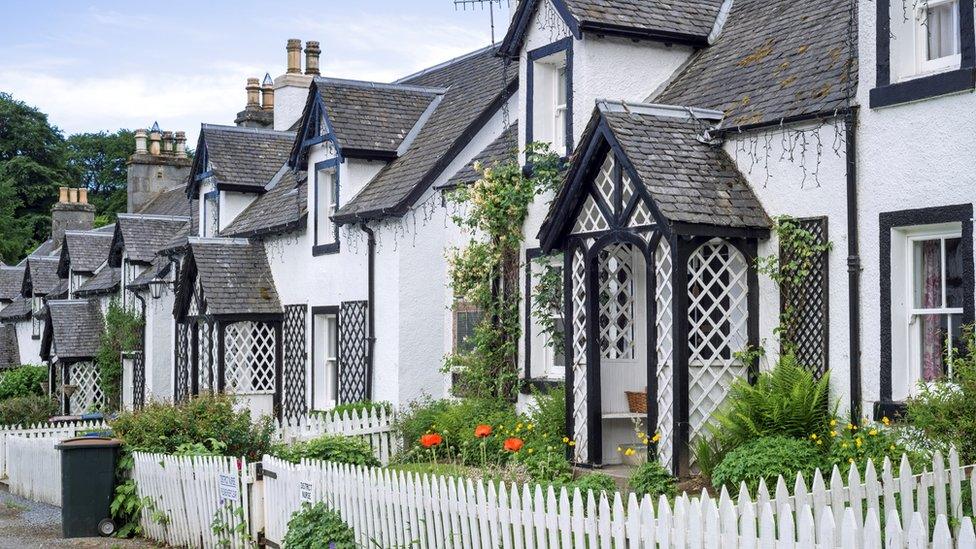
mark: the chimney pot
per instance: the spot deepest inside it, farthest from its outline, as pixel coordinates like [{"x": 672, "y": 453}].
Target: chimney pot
[
  {"x": 181, "y": 144},
  {"x": 83, "y": 195},
  {"x": 63, "y": 195},
  {"x": 253, "y": 90},
  {"x": 267, "y": 93},
  {"x": 294, "y": 49},
  {"x": 154, "y": 137},
  {"x": 141, "y": 136},
  {"x": 72, "y": 195},
  {"x": 168, "y": 143},
  {"x": 312, "y": 52}
]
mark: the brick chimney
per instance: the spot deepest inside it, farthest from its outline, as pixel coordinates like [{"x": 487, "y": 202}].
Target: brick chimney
[
  {"x": 71, "y": 213},
  {"x": 161, "y": 166},
  {"x": 254, "y": 115}
]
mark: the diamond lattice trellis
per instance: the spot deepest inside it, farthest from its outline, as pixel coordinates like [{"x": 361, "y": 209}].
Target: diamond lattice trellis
[
  {"x": 249, "y": 358},
  {"x": 182, "y": 381},
  {"x": 617, "y": 302},
  {"x": 353, "y": 352},
  {"x": 604, "y": 182},
  {"x": 88, "y": 395},
  {"x": 138, "y": 380},
  {"x": 590, "y": 218},
  {"x": 807, "y": 328},
  {"x": 206, "y": 356},
  {"x": 580, "y": 430},
  {"x": 293, "y": 375},
  {"x": 718, "y": 315},
  {"x": 665, "y": 352}
]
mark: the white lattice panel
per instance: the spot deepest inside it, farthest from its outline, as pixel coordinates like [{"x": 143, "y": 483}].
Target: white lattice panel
[
  {"x": 88, "y": 395},
  {"x": 249, "y": 358},
  {"x": 603, "y": 184},
  {"x": 617, "y": 296},
  {"x": 665, "y": 353},
  {"x": 718, "y": 313},
  {"x": 207, "y": 356},
  {"x": 590, "y": 218},
  {"x": 579, "y": 355}
]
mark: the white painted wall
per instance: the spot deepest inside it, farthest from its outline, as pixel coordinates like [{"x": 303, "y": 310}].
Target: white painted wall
[
  {"x": 291, "y": 91},
  {"x": 232, "y": 204},
  {"x": 160, "y": 346},
  {"x": 30, "y": 348}
]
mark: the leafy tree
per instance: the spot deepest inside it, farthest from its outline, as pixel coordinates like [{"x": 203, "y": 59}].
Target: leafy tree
[{"x": 99, "y": 160}]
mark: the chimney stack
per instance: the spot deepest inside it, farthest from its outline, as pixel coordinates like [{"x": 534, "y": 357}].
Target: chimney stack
[
  {"x": 168, "y": 143},
  {"x": 141, "y": 136},
  {"x": 152, "y": 170},
  {"x": 312, "y": 52},
  {"x": 71, "y": 213},
  {"x": 253, "y": 88},
  {"x": 294, "y": 49},
  {"x": 267, "y": 93},
  {"x": 154, "y": 137},
  {"x": 181, "y": 144}
]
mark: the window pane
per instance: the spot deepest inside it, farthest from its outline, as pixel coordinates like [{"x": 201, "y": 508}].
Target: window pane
[
  {"x": 558, "y": 357},
  {"x": 942, "y": 30},
  {"x": 465, "y": 324},
  {"x": 561, "y": 86},
  {"x": 932, "y": 345},
  {"x": 323, "y": 193},
  {"x": 953, "y": 272},
  {"x": 927, "y": 260}
]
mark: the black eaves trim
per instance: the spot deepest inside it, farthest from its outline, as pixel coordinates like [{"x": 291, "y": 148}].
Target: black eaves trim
[
  {"x": 325, "y": 249},
  {"x": 959, "y": 80}
]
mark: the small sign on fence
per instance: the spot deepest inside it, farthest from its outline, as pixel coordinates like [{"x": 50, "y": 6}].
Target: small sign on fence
[
  {"x": 229, "y": 490},
  {"x": 305, "y": 491}
]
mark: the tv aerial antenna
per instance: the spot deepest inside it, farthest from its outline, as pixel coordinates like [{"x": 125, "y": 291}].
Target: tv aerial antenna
[{"x": 482, "y": 4}]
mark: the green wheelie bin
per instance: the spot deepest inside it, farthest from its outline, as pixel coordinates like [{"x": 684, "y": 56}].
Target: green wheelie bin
[{"x": 87, "y": 485}]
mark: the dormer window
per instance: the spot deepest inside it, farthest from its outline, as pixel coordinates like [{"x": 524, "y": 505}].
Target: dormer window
[
  {"x": 326, "y": 205},
  {"x": 550, "y": 96}
]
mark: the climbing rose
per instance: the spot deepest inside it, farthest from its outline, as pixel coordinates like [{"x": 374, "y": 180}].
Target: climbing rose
[
  {"x": 482, "y": 431},
  {"x": 431, "y": 440},
  {"x": 513, "y": 444}
]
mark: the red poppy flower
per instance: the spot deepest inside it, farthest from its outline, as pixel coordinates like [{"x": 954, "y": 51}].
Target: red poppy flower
[
  {"x": 482, "y": 431},
  {"x": 431, "y": 440},
  {"x": 514, "y": 444}
]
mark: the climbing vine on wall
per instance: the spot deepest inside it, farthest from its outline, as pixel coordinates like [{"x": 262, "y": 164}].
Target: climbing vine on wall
[
  {"x": 799, "y": 250},
  {"x": 123, "y": 331},
  {"x": 547, "y": 299},
  {"x": 484, "y": 273}
]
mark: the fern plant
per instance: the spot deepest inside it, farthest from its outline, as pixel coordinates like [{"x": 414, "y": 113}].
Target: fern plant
[{"x": 785, "y": 401}]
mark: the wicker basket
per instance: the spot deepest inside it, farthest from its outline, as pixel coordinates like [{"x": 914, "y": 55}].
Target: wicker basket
[{"x": 637, "y": 401}]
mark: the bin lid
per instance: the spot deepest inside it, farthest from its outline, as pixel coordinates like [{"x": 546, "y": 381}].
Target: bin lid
[{"x": 84, "y": 443}]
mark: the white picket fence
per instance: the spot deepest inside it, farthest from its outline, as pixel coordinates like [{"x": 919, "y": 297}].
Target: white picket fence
[
  {"x": 394, "y": 509},
  {"x": 34, "y": 469},
  {"x": 185, "y": 497},
  {"x": 375, "y": 425},
  {"x": 58, "y": 431}
]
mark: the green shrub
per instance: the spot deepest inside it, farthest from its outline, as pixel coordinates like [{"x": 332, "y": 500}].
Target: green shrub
[
  {"x": 786, "y": 401},
  {"x": 549, "y": 414},
  {"x": 767, "y": 458},
  {"x": 349, "y": 408},
  {"x": 164, "y": 427},
  {"x": 596, "y": 482},
  {"x": 123, "y": 332},
  {"x": 708, "y": 454},
  {"x": 318, "y": 527},
  {"x": 945, "y": 411},
  {"x": 456, "y": 422},
  {"x": 334, "y": 448},
  {"x": 25, "y": 410},
  {"x": 546, "y": 462},
  {"x": 22, "y": 381},
  {"x": 652, "y": 479}
]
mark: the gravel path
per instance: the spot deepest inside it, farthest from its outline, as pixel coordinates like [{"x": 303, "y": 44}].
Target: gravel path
[{"x": 25, "y": 523}]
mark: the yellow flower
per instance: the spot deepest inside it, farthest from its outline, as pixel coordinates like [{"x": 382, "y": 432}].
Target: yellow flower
[
  {"x": 572, "y": 443},
  {"x": 850, "y": 426},
  {"x": 619, "y": 449},
  {"x": 833, "y": 423},
  {"x": 565, "y": 440},
  {"x": 844, "y": 445},
  {"x": 630, "y": 452},
  {"x": 813, "y": 436},
  {"x": 850, "y": 460},
  {"x": 885, "y": 420},
  {"x": 819, "y": 442},
  {"x": 529, "y": 426},
  {"x": 656, "y": 437},
  {"x": 873, "y": 432},
  {"x": 892, "y": 447},
  {"x": 530, "y": 450},
  {"x": 858, "y": 441},
  {"x": 518, "y": 425},
  {"x": 833, "y": 433}
]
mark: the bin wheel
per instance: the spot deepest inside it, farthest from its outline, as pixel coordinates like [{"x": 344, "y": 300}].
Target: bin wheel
[{"x": 106, "y": 527}]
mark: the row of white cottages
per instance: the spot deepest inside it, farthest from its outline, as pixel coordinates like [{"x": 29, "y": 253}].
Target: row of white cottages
[{"x": 307, "y": 265}]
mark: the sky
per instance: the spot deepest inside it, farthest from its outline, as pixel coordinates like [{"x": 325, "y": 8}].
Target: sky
[{"x": 105, "y": 65}]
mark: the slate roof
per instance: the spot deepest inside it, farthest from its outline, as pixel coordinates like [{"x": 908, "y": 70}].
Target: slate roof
[
  {"x": 85, "y": 250},
  {"x": 171, "y": 202},
  {"x": 74, "y": 329},
  {"x": 476, "y": 90},
  {"x": 19, "y": 309},
  {"x": 774, "y": 60},
  {"x": 159, "y": 267},
  {"x": 105, "y": 281},
  {"x": 43, "y": 274},
  {"x": 244, "y": 158},
  {"x": 60, "y": 291},
  {"x": 505, "y": 147},
  {"x": 11, "y": 282},
  {"x": 235, "y": 276},
  {"x": 366, "y": 116},
  {"x": 283, "y": 208},
  {"x": 142, "y": 236},
  {"x": 9, "y": 348}
]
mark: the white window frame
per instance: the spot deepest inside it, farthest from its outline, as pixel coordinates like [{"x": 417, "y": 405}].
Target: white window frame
[
  {"x": 912, "y": 313},
  {"x": 326, "y": 385},
  {"x": 325, "y": 178},
  {"x": 549, "y": 117},
  {"x": 539, "y": 345},
  {"x": 560, "y": 98},
  {"x": 923, "y": 65}
]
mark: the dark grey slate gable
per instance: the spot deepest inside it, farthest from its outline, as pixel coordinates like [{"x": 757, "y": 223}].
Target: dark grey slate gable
[
  {"x": 775, "y": 60},
  {"x": 171, "y": 202},
  {"x": 235, "y": 276},
  {"x": 282, "y": 208},
  {"x": 74, "y": 329},
  {"x": 9, "y": 347},
  {"x": 105, "y": 281},
  {"x": 11, "y": 282},
  {"x": 504, "y": 148},
  {"x": 84, "y": 251},
  {"x": 478, "y": 85},
  {"x": 141, "y": 236},
  {"x": 240, "y": 159},
  {"x": 19, "y": 309},
  {"x": 41, "y": 276}
]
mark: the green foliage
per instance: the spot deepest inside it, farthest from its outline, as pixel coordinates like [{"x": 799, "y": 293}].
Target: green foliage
[
  {"x": 230, "y": 522},
  {"x": 652, "y": 479},
  {"x": 22, "y": 381},
  {"x": 549, "y": 414},
  {"x": 485, "y": 273},
  {"x": 456, "y": 422},
  {"x": 363, "y": 406},
  {"x": 597, "y": 483},
  {"x": 123, "y": 333},
  {"x": 858, "y": 444},
  {"x": 318, "y": 527},
  {"x": 767, "y": 458},
  {"x": 334, "y": 448},
  {"x": 945, "y": 410},
  {"x": 26, "y": 410},
  {"x": 210, "y": 447},
  {"x": 547, "y": 300},
  {"x": 99, "y": 159},
  {"x": 708, "y": 454},
  {"x": 785, "y": 401}
]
